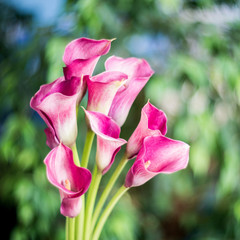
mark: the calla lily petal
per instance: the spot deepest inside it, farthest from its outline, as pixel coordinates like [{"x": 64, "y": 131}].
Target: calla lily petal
[
  {"x": 139, "y": 72},
  {"x": 102, "y": 89},
  {"x": 158, "y": 154},
  {"x": 56, "y": 103},
  {"x": 82, "y": 54},
  {"x": 71, "y": 180},
  {"x": 108, "y": 141},
  {"x": 79, "y": 67},
  {"x": 52, "y": 140},
  {"x": 44, "y": 91},
  {"x": 153, "y": 122},
  {"x": 85, "y": 48},
  {"x": 59, "y": 113}
]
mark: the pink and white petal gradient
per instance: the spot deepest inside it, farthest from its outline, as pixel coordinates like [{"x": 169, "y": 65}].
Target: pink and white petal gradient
[
  {"x": 158, "y": 154},
  {"x": 81, "y": 56},
  {"x": 71, "y": 180},
  {"x": 60, "y": 114},
  {"x": 56, "y": 103},
  {"x": 153, "y": 122},
  {"x": 139, "y": 72},
  {"x": 102, "y": 89},
  {"x": 108, "y": 141}
]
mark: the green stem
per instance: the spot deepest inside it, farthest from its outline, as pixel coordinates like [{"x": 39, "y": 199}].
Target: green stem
[
  {"x": 70, "y": 228},
  {"x": 87, "y": 148},
  {"x": 67, "y": 228},
  {"x": 79, "y": 220},
  {"x": 97, "y": 175},
  {"x": 107, "y": 212},
  {"x": 78, "y": 224},
  {"x": 108, "y": 189},
  {"x": 75, "y": 155}
]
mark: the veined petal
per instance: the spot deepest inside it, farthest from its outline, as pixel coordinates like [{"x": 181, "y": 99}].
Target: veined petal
[
  {"x": 84, "y": 48},
  {"x": 108, "y": 141},
  {"x": 139, "y": 72},
  {"x": 102, "y": 89},
  {"x": 158, "y": 154},
  {"x": 153, "y": 122},
  {"x": 71, "y": 180}
]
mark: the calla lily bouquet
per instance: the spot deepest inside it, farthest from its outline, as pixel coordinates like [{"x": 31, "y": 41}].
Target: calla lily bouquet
[{"x": 110, "y": 96}]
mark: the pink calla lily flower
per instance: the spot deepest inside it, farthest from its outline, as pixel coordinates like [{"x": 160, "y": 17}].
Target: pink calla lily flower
[
  {"x": 102, "y": 89},
  {"x": 158, "y": 154},
  {"x": 56, "y": 103},
  {"x": 71, "y": 180},
  {"x": 153, "y": 122},
  {"x": 81, "y": 56},
  {"x": 139, "y": 72},
  {"x": 108, "y": 141}
]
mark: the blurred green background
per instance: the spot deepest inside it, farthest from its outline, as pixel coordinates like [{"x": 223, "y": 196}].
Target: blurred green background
[{"x": 193, "y": 47}]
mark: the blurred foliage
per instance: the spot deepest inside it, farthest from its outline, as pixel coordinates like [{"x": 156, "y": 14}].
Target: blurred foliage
[{"x": 193, "y": 46}]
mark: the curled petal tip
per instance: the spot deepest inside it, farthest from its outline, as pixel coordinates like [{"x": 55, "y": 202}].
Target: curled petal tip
[{"x": 113, "y": 39}]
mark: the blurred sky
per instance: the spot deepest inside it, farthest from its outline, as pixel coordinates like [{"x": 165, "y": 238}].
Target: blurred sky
[{"x": 45, "y": 12}]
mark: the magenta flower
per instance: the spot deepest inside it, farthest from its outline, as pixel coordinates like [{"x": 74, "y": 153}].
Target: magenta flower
[
  {"x": 71, "y": 180},
  {"x": 153, "y": 122},
  {"x": 56, "y": 103},
  {"x": 81, "y": 56},
  {"x": 102, "y": 89},
  {"x": 139, "y": 72},
  {"x": 108, "y": 141},
  {"x": 158, "y": 154}
]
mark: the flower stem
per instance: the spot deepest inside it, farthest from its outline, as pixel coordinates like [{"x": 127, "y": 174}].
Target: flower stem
[
  {"x": 97, "y": 175},
  {"x": 79, "y": 220},
  {"x": 70, "y": 228},
  {"x": 108, "y": 189},
  {"x": 78, "y": 224},
  {"x": 75, "y": 155},
  {"x": 107, "y": 212},
  {"x": 87, "y": 148}
]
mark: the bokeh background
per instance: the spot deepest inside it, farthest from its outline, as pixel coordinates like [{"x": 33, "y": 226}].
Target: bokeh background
[{"x": 193, "y": 46}]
